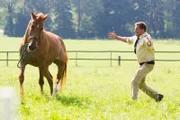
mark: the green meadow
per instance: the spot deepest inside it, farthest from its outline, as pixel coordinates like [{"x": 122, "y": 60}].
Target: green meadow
[{"x": 95, "y": 90}]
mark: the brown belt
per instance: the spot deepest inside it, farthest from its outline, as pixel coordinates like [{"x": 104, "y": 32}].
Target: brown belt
[{"x": 148, "y": 62}]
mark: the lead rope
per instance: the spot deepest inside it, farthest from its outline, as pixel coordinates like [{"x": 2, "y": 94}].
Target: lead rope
[{"x": 23, "y": 52}]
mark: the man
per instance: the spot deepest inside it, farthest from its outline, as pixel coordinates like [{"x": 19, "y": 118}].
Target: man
[{"x": 144, "y": 50}]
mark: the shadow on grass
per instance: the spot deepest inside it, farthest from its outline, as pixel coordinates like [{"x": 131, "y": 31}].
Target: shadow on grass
[
  {"x": 82, "y": 102},
  {"x": 72, "y": 100}
]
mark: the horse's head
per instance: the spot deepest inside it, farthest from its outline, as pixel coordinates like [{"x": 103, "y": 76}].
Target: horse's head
[{"x": 35, "y": 27}]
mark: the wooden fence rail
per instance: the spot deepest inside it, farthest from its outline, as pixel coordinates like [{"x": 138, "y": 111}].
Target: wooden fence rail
[{"x": 76, "y": 57}]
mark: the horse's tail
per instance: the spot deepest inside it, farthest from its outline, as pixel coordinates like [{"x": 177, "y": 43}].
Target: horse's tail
[
  {"x": 64, "y": 73},
  {"x": 63, "y": 78}
]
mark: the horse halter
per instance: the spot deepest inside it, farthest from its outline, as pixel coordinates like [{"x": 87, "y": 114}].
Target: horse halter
[
  {"x": 33, "y": 44},
  {"x": 34, "y": 38},
  {"x": 34, "y": 32}
]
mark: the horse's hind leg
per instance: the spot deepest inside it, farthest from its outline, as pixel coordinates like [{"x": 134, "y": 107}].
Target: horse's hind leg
[{"x": 61, "y": 69}]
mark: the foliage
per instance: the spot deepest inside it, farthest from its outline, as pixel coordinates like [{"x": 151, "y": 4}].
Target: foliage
[
  {"x": 95, "y": 18},
  {"x": 20, "y": 25},
  {"x": 87, "y": 11},
  {"x": 114, "y": 18},
  {"x": 176, "y": 20},
  {"x": 63, "y": 19},
  {"x": 9, "y": 29}
]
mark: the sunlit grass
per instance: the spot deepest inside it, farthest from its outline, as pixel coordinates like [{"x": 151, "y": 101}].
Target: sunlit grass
[{"x": 97, "y": 93}]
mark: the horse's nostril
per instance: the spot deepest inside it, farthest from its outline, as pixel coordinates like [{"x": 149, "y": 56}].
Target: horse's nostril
[{"x": 30, "y": 47}]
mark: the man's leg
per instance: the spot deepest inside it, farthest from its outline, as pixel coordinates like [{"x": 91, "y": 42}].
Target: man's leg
[
  {"x": 146, "y": 89},
  {"x": 138, "y": 77}
]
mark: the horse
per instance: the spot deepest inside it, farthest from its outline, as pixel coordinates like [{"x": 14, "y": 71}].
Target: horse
[{"x": 41, "y": 48}]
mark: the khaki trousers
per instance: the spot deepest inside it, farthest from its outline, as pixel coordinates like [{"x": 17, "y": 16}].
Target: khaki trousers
[{"x": 138, "y": 81}]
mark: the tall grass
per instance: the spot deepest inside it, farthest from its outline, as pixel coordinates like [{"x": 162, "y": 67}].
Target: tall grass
[{"x": 97, "y": 92}]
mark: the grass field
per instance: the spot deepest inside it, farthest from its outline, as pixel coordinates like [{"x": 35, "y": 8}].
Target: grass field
[{"x": 97, "y": 92}]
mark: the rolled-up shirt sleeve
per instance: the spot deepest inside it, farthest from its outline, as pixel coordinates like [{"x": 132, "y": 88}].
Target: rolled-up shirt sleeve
[{"x": 130, "y": 40}]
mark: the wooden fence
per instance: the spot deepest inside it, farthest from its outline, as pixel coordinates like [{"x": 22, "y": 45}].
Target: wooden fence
[{"x": 78, "y": 55}]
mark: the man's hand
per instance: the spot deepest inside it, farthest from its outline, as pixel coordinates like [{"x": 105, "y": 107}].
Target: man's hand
[
  {"x": 148, "y": 41},
  {"x": 112, "y": 35}
]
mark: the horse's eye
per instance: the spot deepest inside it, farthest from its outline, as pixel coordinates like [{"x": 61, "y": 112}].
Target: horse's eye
[{"x": 41, "y": 29}]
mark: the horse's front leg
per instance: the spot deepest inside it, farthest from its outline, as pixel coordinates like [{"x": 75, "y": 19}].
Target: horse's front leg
[
  {"x": 41, "y": 78},
  {"x": 21, "y": 80},
  {"x": 49, "y": 77}
]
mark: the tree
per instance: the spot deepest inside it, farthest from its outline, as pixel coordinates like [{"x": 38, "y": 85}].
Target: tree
[
  {"x": 10, "y": 7},
  {"x": 115, "y": 17},
  {"x": 8, "y": 30},
  {"x": 93, "y": 18},
  {"x": 63, "y": 19},
  {"x": 20, "y": 25},
  {"x": 153, "y": 12},
  {"x": 86, "y": 11},
  {"x": 176, "y": 18}
]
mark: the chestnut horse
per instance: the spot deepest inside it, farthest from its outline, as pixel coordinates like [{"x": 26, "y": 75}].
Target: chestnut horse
[{"x": 41, "y": 48}]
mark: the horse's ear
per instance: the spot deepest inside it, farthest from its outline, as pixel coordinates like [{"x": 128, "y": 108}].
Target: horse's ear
[
  {"x": 45, "y": 17},
  {"x": 33, "y": 16}
]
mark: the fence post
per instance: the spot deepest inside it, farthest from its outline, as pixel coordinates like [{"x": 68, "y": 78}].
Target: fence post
[
  {"x": 76, "y": 58},
  {"x": 111, "y": 59},
  {"x": 7, "y": 55},
  {"x": 119, "y": 60}
]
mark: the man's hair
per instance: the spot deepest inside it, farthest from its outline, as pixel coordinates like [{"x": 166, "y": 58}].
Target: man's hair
[{"x": 142, "y": 25}]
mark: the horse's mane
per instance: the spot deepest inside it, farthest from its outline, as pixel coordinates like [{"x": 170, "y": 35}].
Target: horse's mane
[{"x": 25, "y": 37}]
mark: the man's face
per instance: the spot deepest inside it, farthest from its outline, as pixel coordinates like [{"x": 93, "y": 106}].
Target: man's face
[{"x": 138, "y": 31}]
